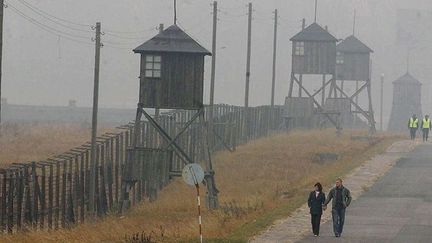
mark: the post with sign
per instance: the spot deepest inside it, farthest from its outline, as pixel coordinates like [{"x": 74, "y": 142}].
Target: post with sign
[{"x": 193, "y": 175}]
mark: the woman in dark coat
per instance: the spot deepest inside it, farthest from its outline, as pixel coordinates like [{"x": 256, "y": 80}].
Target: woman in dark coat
[{"x": 315, "y": 203}]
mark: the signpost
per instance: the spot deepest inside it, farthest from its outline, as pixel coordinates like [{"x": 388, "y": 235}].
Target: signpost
[{"x": 193, "y": 175}]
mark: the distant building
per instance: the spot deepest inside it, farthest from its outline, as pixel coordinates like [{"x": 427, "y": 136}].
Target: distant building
[{"x": 406, "y": 102}]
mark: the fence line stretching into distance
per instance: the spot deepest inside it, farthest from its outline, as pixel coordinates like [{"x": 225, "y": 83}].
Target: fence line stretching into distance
[{"x": 54, "y": 193}]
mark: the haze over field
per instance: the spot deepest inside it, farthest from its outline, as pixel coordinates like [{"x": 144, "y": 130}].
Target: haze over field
[
  {"x": 46, "y": 68},
  {"x": 258, "y": 162}
]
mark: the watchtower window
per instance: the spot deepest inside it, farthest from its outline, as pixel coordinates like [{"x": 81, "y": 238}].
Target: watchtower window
[
  {"x": 153, "y": 66},
  {"x": 339, "y": 58},
  {"x": 299, "y": 48}
]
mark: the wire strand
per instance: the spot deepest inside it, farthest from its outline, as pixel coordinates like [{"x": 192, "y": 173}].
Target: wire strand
[
  {"x": 116, "y": 47},
  {"x": 120, "y": 43},
  {"x": 124, "y": 37},
  {"x": 48, "y": 28},
  {"x": 110, "y": 31},
  {"x": 42, "y": 12},
  {"x": 54, "y": 19}
]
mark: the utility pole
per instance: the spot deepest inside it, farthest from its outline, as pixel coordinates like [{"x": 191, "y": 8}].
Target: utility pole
[
  {"x": 213, "y": 70},
  {"x": 1, "y": 54},
  {"x": 248, "y": 60},
  {"x": 381, "y": 102},
  {"x": 175, "y": 12},
  {"x": 94, "y": 120},
  {"x": 316, "y": 7},
  {"x": 354, "y": 22},
  {"x": 246, "y": 120},
  {"x": 371, "y": 121},
  {"x": 300, "y": 91},
  {"x": 274, "y": 67},
  {"x": 157, "y": 111}
]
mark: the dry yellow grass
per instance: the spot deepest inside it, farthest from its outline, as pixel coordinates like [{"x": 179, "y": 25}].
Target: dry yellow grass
[
  {"x": 254, "y": 182},
  {"x": 23, "y": 143}
]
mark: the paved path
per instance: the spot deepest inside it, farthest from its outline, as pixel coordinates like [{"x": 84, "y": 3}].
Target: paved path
[
  {"x": 297, "y": 226},
  {"x": 398, "y": 208}
]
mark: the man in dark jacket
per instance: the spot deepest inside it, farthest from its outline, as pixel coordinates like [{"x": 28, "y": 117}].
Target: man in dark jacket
[
  {"x": 341, "y": 200},
  {"x": 315, "y": 202}
]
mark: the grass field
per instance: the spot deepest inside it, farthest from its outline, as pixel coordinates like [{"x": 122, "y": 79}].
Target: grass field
[
  {"x": 23, "y": 143},
  {"x": 262, "y": 181}
]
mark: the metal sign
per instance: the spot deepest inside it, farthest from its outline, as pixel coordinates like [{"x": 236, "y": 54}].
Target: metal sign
[{"x": 193, "y": 174}]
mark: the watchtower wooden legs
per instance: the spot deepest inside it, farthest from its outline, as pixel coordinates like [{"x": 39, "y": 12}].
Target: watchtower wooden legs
[
  {"x": 337, "y": 91},
  {"x": 171, "y": 143},
  {"x": 212, "y": 201},
  {"x": 319, "y": 106},
  {"x": 372, "y": 128},
  {"x": 291, "y": 86},
  {"x": 368, "y": 115}
]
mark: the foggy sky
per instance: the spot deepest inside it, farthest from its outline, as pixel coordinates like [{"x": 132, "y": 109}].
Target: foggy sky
[{"x": 44, "y": 69}]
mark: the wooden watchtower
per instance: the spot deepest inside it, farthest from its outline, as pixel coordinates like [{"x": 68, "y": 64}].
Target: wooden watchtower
[
  {"x": 313, "y": 53},
  {"x": 171, "y": 77},
  {"x": 172, "y": 71},
  {"x": 353, "y": 65},
  {"x": 406, "y": 102}
]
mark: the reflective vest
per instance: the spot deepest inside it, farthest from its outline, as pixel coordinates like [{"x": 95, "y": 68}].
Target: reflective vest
[
  {"x": 426, "y": 123},
  {"x": 413, "y": 123}
]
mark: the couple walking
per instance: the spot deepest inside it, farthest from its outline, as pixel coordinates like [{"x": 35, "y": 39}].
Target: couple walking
[{"x": 317, "y": 202}]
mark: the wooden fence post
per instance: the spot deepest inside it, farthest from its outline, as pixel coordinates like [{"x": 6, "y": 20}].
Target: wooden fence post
[
  {"x": 63, "y": 195},
  {"x": 77, "y": 187},
  {"x": 116, "y": 169},
  {"x": 3, "y": 202},
  {"x": 102, "y": 192},
  {"x": 20, "y": 194},
  {"x": 10, "y": 205},
  {"x": 50, "y": 196},
  {"x": 87, "y": 179},
  {"x": 57, "y": 196},
  {"x": 109, "y": 171},
  {"x": 35, "y": 193},
  {"x": 42, "y": 198},
  {"x": 70, "y": 217},
  {"x": 82, "y": 187}
]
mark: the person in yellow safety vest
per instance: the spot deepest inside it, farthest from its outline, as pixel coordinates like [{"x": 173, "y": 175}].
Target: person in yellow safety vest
[
  {"x": 426, "y": 127},
  {"x": 413, "y": 126}
]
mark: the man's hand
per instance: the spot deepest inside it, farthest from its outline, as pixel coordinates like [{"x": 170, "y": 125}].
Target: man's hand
[{"x": 324, "y": 207}]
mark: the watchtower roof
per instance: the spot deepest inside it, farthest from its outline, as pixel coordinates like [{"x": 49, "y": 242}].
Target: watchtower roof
[
  {"x": 407, "y": 79},
  {"x": 172, "y": 39},
  {"x": 314, "y": 32},
  {"x": 353, "y": 45}
]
